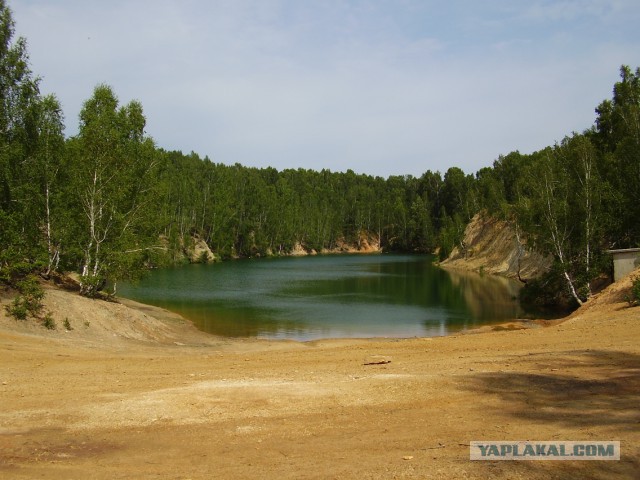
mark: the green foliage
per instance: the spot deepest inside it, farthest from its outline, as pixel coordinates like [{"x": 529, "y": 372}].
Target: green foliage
[
  {"x": 31, "y": 140},
  {"x": 92, "y": 285},
  {"x": 48, "y": 322},
  {"x": 108, "y": 204},
  {"x": 67, "y": 324},
  {"x": 30, "y": 287},
  {"x": 113, "y": 161},
  {"x": 29, "y": 300},
  {"x": 547, "y": 293},
  {"x": 17, "y": 309},
  {"x": 11, "y": 273},
  {"x": 451, "y": 235}
]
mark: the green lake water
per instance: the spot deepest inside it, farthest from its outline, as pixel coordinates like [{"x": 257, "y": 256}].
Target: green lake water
[{"x": 329, "y": 296}]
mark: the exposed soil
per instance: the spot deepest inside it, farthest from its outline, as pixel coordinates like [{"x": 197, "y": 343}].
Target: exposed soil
[
  {"x": 492, "y": 246},
  {"x": 139, "y": 393}
]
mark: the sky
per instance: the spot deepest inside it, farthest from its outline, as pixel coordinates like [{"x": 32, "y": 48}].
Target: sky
[{"x": 379, "y": 87}]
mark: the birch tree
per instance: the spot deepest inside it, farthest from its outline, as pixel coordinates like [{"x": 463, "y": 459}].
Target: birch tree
[
  {"x": 114, "y": 161},
  {"x": 548, "y": 213},
  {"x": 48, "y": 157},
  {"x": 19, "y": 93},
  {"x": 587, "y": 194},
  {"x": 560, "y": 203}
]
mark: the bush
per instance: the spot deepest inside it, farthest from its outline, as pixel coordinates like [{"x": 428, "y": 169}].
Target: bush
[
  {"x": 33, "y": 294},
  {"x": 48, "y": 322},
  {"x": 90, "y": 286},
  {"x": 9, "y": 274},
  {"x": 17, "y": 309},
  {"x": 547, "y": 294},
  {"x": 29, "y": 301}
]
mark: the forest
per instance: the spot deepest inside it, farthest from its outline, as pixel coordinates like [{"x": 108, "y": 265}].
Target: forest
[{"x": 109, "y": 204}]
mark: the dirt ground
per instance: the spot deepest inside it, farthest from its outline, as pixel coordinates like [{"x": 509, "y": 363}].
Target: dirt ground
[{"x": 133, "y": 392}]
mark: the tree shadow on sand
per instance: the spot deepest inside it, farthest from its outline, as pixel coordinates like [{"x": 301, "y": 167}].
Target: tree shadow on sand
[{"x": 577, "y": 390}]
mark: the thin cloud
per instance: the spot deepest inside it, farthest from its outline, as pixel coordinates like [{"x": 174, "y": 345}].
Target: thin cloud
[
  {"x": 378, "y": 87},
  {"x": 571, "y": 10}
]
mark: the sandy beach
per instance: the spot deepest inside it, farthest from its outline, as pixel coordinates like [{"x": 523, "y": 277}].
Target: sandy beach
[{"x": 136, "y": 392}]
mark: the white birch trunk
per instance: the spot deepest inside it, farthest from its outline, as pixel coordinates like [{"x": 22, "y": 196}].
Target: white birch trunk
[{"x": 557, "y": 237}]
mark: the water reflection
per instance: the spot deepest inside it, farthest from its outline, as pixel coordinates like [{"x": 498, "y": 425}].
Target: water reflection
[
  {"x": 487, "y": 298},
  {"x": 330, "y": 296}
]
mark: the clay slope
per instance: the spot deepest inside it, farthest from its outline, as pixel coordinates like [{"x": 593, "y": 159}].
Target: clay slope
[
  {"x": 491, "y": 246},
  {"x": 615, "y": 298}
]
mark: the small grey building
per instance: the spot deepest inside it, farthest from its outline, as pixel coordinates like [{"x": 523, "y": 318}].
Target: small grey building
[{"x": 625, "y": 261}]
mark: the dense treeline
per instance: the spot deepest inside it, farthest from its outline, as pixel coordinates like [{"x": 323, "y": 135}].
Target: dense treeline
[
  {"x": 242, "y": 211},
  {"x": 108, "y": 203},
  {"x": 580, "y": 197}
]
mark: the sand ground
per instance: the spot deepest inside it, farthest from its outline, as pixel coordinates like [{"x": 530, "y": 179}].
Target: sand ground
[{"x": 134, "y": 392}]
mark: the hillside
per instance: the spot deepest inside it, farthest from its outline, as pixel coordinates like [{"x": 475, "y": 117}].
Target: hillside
[{"x": 492, "y": 246}]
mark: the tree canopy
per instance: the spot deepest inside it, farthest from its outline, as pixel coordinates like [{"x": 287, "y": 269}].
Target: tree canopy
[{"x": 107, "y": 203}]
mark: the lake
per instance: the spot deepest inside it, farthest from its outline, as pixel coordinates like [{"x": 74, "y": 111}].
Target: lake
[{"x": 329, "y": 296}]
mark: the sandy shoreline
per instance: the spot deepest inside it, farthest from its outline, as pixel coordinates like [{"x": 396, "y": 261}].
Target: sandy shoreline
[{"x": 139, "y": 393}]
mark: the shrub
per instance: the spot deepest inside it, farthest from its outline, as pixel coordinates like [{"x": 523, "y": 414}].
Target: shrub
[
  {"x": 90, "y": 285},
  {"x": 32, "y": 293},
  {"x": 48, "y": 322},
  {"x": 547, "y": 294},
  {"x": 10, "y": 273},
  {"x": 17, "y": 309},
  {"x": 29, "y": 301},
  {"x": 67, "y": 324}
]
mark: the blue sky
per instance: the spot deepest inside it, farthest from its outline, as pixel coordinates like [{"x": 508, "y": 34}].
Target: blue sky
[{"x": 379, "y": 87}]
